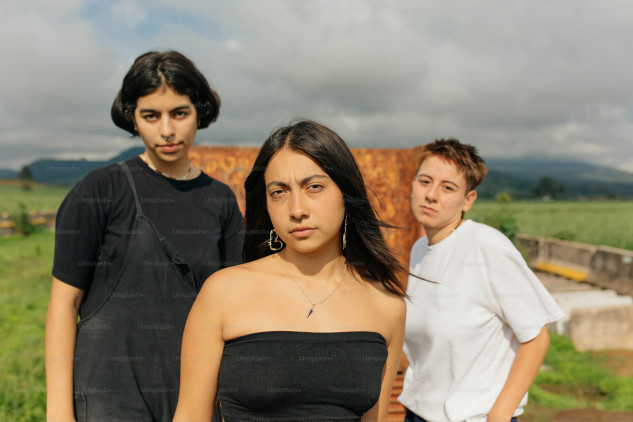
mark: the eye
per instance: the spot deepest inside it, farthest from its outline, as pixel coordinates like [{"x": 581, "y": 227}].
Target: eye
[
  {"x": 149, "y": 117},
  {"x": 424, "y": 181},
  {"x": 448, "y": 188},
  {"x": 181, "y": 113},
  {"x": 276, "y": 194},
  {"x": 315, "y": 187}
]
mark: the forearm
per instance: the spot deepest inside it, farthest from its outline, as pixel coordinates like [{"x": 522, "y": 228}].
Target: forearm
[
  {"x": 522, "y": 374},
  {"x": 61, "y": 331}
]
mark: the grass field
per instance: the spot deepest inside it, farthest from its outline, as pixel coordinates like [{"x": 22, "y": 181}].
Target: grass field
[
  {"x": 25, "y": 264},
  {"x": 599, "y": 223},
  {"x": 38, "y": 198},
  {"x": 572, "y": 379}
]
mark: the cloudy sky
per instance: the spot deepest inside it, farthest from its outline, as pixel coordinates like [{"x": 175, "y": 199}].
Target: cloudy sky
[{"x": 513, "y": 78}]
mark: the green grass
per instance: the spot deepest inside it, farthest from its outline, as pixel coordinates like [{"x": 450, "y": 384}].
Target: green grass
[
  {"x": 574, "y": 380},
  {"x": 598, "y": 223},
  {"x": 38, "y": 198},
  {"x": 25, "y": 265}
]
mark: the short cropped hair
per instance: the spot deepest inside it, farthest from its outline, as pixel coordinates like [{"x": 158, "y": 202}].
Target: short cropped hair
[
  {"x": 464, "y": 156},
  {"x": 154, "y": 70}
]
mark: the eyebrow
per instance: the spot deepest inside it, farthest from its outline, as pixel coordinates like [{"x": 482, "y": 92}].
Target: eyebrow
[
  {"x": 150, "y": 110},
  {"x": 301, "y": 182},
  {"x": 443, "y": 181}
]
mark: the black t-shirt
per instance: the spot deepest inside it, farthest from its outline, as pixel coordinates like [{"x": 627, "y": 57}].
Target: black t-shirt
[{"x": 200, "y": 218}]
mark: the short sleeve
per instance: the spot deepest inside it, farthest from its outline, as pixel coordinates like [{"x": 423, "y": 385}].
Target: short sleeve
[
  {"x": 233, "y": 232},
  {"x": 523, "y": 302},
  {"x": 78, "y": 235}
]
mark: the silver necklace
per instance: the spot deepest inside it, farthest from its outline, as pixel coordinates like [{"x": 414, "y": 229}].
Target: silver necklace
[
  {"x": 146, "y": 161},
  {"x": 313, "y": 302}
]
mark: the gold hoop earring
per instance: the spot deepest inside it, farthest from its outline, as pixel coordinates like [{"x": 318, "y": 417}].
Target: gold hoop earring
[
  {"x": 345, "y": 233},
  {"x": 276, "y": 240}
]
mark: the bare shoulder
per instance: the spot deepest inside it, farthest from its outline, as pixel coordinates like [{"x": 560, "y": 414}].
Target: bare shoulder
[
  {"x": 390, "y": 304},
  {"x": 231, "y": 281}
]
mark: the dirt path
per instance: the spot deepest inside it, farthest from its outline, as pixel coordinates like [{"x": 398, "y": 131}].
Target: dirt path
[
  {"x": 619, "y": 361},
  {"x": 592, "y": 415}
]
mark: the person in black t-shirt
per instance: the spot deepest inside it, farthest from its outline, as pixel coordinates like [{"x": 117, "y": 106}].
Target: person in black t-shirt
[{"x": 134, "y": 243}]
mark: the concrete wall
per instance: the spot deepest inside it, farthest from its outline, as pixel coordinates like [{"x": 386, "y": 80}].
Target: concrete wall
[
  {"x": 37, "y": 218},
  {"x": 596, "y": 318},
  {"x": 600, "y": 265},
  {"x": 602, "y": 328}
]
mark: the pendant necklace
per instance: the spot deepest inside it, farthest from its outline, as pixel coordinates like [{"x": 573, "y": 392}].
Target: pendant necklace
[
  {"x": 313, "y": 302},
  {"x": 146, "y": 161}
]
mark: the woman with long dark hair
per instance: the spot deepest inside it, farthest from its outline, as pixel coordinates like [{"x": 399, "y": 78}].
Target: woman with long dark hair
[
  {"x": 311, "y": 327},
  {"x": 134, "y": 243}
]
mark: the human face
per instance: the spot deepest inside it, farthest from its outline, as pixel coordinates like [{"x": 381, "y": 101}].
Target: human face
[
  {"x": 305, "y": 206},
  {"x": 167, "y": 122},
  {"x": 439, "y": 197}
]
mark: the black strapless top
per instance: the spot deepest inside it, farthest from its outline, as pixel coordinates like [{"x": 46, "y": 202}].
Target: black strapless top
[{"x": 300, "y": 376}]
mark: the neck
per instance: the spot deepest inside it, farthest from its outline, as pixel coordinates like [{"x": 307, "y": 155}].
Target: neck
[
  {"x": 322, "y": 266},
  {"x": 437, "y": 235},
  {"x": 174, "y": 170}
]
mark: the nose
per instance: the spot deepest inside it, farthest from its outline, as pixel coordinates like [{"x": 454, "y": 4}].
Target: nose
[
  {"x": 431, "y": 193},
  {"x": 167, "y": 129},
  {"x": 298, "y": 207}
]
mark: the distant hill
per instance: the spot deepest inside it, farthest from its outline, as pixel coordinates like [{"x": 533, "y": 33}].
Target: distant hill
[
  {"x": 8, "y": 174},
  {"x": 515, "y": 176},
  {"x": 69, "y": 172}
]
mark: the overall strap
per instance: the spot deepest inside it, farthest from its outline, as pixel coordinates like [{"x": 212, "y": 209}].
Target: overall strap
[{"x": 128, "y": 174}]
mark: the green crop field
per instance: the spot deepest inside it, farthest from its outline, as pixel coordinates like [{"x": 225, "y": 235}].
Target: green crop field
[
  {"x": 599, "y": 223},
  {"x": 38, "y": 198}
]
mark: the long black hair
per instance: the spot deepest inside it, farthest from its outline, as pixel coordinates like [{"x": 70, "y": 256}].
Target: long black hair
[
  {"x": 366, "y": 252},
  {"x": 154, "y": 70}
]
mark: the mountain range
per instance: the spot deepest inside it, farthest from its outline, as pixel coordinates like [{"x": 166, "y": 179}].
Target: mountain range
[{"x": 515, "y": 176}]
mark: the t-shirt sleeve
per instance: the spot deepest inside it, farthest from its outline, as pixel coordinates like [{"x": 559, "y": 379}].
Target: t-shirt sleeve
[
  {"x": 233, "y": 233},
  {"x": 521, "y": 299},
  {"x": 78, "y": 236}
]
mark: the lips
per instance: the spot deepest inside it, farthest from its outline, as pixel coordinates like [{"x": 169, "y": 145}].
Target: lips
[
  {"x": 428, "y": 210},
  {"x": 302, "y": 232},
  {"x": 168, "y": 148}
]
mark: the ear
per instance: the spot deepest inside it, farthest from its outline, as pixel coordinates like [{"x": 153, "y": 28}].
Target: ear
[{"x": 470, "y": 200}]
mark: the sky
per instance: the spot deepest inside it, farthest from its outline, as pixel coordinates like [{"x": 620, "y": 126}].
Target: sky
[{"x": 512, "y": 78}]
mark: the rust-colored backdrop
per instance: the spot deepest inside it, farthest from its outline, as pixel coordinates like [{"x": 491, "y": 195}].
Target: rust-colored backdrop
[{"x": 388, "y": 175}]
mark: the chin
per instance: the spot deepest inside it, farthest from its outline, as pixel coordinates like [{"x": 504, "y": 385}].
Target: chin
[{"x": 425, "y": 220}]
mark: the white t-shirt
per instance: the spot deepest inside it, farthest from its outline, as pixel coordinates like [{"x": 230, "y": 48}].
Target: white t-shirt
[{"x": 464, "y": 327}]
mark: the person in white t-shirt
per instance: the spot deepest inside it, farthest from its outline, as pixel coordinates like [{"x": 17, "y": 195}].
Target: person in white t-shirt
[{"x": 476, "y": 330}]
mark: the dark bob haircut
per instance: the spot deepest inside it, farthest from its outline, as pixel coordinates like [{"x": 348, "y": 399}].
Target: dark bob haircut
[
  {"x": 366, "y": 253},
  {"x": 154, "y": 70}
]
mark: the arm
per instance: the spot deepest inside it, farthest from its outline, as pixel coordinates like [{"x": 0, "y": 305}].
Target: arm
[
  {"x": 380, "y": 411},
  {"x": 202, "y": 347},
  {"x": 523, "y": 372},
  {"x": 61, "y": 332}
]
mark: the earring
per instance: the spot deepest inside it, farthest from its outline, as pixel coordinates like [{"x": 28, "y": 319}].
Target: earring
[
  {"x": 276, "y": 240},
  {"x": 345, "y": 233}
]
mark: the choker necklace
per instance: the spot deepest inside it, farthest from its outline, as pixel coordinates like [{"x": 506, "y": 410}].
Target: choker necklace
[
  {"x": 146, "y": 161},
  {"x": 313, "y": 302}
]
